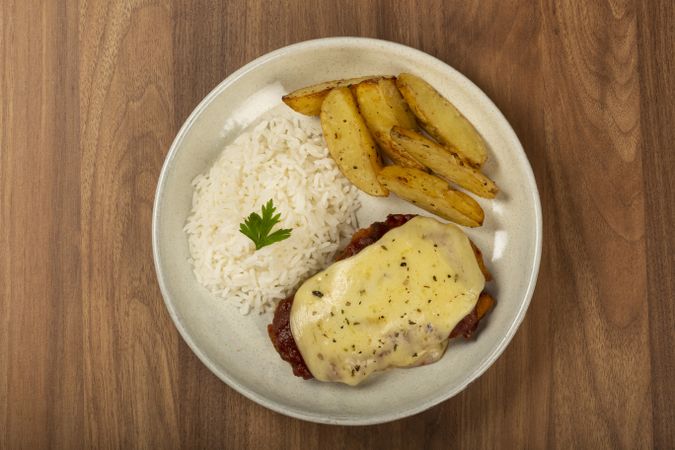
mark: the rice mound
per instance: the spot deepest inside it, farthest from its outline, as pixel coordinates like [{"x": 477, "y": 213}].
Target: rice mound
[{"x": 286, "y": 160}]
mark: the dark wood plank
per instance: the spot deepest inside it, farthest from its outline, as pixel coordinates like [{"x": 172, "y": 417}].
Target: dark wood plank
[
  {"x": 40, "y": 309},
  {"x": 127, "y": 124},
  {"x": 657, "y": 113},
  {"x": 601, "y": 371},
  {"x": 39, "y": 222}
]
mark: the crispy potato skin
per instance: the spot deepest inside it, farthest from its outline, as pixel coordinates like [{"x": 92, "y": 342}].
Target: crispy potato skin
[
  {"x": 382, "y": 108},
  {"x": 441, "y": 119},
  {"x": 432, "y": 194},
  {"x": 349, "y": 141},
  {"x": 358, "y": 115},
  {"x": 443, "y": 162},
  {"x": 397, "y": 104},
  {"x": 308, "y": 100}
]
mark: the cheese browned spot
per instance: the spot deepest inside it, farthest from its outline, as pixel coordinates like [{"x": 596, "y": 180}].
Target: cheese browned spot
[{"x": 392, "y": 305}]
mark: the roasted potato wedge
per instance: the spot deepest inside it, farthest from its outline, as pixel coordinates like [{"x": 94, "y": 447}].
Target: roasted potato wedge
[
  {"x": 441, "y": 119},
  {"x": 433, "y": 194},
  {"x": 349, "y": 141},
  {"x": 308, "y": 100},
  {"x": 383, "y": 107},
  {"x": 443, "y": 162},
  {"x": 399, "y": 107}
]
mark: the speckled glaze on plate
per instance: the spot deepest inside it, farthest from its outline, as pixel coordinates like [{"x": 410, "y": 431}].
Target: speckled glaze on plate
[{"x": 237, "y": 349}]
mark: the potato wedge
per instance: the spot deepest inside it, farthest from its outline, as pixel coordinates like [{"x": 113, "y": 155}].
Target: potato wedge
[
  {"x": 383, "y": 107},
  {"x": 308, "y": 100},
  {"x": 433, "y": 194},
  {"x": 441, "y": 119},
  {"x": 443, "y": 162},
  {"x": 349, "y": 141}
]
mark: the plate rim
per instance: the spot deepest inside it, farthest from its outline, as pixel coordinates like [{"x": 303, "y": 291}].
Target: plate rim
[{"x": 280, "y": 407}]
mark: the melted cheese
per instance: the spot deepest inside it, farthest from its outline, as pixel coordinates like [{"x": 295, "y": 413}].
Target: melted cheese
[{"x": 393, "y": 304}]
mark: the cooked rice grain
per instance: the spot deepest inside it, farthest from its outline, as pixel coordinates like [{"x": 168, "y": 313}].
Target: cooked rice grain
[{"x": 284, "y": 159}]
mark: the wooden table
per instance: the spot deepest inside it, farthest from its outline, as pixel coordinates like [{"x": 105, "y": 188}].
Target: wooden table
[{"x": 91, "y": 96}]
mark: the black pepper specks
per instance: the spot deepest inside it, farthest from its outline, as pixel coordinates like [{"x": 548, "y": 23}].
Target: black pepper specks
[{"x": 317, "y": 294}]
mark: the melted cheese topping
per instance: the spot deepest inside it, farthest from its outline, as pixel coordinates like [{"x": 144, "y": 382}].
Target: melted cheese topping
[{"x": 393, "y": 304}]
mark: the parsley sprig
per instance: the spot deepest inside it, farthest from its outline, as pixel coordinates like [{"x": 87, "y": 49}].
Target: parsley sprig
[{"x": 258, "y": 228}]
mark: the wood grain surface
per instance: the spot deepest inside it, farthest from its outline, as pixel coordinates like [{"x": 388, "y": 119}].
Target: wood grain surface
[{"x": 91, "y": 96}]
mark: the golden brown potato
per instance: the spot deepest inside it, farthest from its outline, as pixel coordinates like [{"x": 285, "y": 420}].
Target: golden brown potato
[
  {"x": 383, "y": 107},
  {"x": 398, "y": 105},
  {"x": 349, "y": 141},
  {"x": 433, "y": 194},
  {"x": 308, "y": 100},
  {"x": 443, "y": 162},
  {"x": 441, "y": 119}
]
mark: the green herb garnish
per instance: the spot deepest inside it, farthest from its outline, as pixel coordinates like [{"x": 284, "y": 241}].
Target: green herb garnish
[{"x": 258, "y": 228}]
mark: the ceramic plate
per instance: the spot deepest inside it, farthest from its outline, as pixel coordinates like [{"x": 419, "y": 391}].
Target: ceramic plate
[{"x": 237, "y": 349}]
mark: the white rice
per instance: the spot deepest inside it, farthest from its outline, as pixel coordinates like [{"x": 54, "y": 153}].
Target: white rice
[{"x": 286, "y": 160}]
